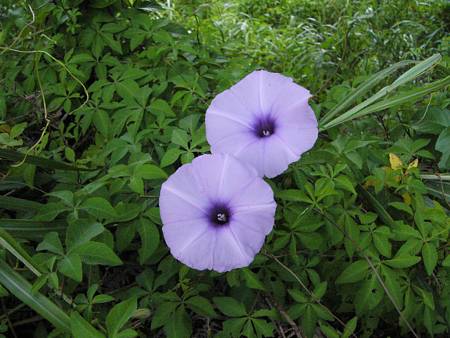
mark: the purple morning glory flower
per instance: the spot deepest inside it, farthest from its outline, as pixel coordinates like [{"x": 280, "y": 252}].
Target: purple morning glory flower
[
  {"x": 264, "y": 120},
  {"x": 216, "y": 212}
]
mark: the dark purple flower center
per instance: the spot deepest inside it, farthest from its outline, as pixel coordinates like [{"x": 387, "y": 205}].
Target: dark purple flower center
[
  {"x": 264, "y": 127},
  {"x": 219, "y": 214}
]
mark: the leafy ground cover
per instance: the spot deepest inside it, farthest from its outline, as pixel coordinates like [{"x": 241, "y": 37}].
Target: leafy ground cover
[{"x": 101, "y": 100}]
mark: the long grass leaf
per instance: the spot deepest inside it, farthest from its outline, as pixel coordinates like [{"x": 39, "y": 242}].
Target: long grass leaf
[
  {"x": 408, "y": 76},
  {"x": 30, "y": 229},
  {"x": 13, "y": 203},
  {"x": 14, "y": 247},
  {"x": 362, "y": 89},
  {"x": 21, "y": 288},
  {"x": 15, "y": 156},
  {"x": 396, "y": 100}
]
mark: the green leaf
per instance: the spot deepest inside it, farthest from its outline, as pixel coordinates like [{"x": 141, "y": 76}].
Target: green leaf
[
  {"x": 403, "y": 261},
  {"x": 381, "y": 241},
  {"x": 51, "y": 243},
  {"x": 97, "y": 253},
  {"x": 230, "y": 306},
  {"x": 350, "y": 327},
  {"x": 345, "y": 183},
  {"x": 430, "y": 257},
  {"x": 98, "y": 207},
  {"x": 294, "y": 195},
  {"x": 150, "y": 172},
  {"x": 202, "y": 306},
  {"x": 13, "y": 155},
  {"x": 162, "y": 314},
  {"x": 14, "y": 247},
  {"x": 81, "y": 231},
  {"x": 80, "y": 328},
  {"x": 71, "y": 267},
  {"x": 22, "y": 289},
  {"x": 149, "y": 238},
  {"x": 354, "y": 272},
  {"x": 369, "y": 295},
  {"x": 179, "y": 325},
  {"x": 446, "y": 261},
  {"x": 12, "y": 203},
  {"x": 119, "y": 315},
  {"x": 102, "y": 122},
  {"x": 252, "y": 280},
  {"x": 170, "y": 156},
  {"x": 30, "y": 229},
  {"x": 393, "y": 285},
  {"x": 180, "y": 137}
]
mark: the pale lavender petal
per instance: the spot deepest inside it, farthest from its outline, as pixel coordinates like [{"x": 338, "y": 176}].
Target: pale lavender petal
[
  {"x": 229, "y": 252},
  {"x": 256, "y": 192},
  {"x": 252, "y": 154},
  {"x": 258, "y": 119},
  {"x": 232, "y": 143},
  {"x": 258, "y": 90},
  {"x": 259, "y": 218},
  {"x": 179, "y": 235},
  {"x": 222, "y": 175},
  {"x": 182, "y": 190},
  {"x": 252, "y": 239},
  {"x": 278, "y": 156},
  {"x": 298, "y": 139},
  {"x": 289, "y": 98},
  {"x": 298, "y": 114},
  {"x": 199, "y": 254},
  {"x": 209, "y": 209}
]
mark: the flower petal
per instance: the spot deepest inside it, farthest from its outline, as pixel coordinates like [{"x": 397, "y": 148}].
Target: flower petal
[
  {"x": 258, "y": 90},
  {"x": 199, "y": 254},
  {"x": 182, "y": 190},
  {"x": 222, "y": 175},
  {"x": 229, "y": 253},
  {"x": 298, "y": 139},
  {"x": 289, "y": 98},
  {"x": 298, "y": 114},
  {"x": 179, "y": 235}
]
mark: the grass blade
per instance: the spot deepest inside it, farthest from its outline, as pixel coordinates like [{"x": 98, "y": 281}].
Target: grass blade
[
  {"x": 16, "y": 156},
  {"x": 30, "y": 229},
  {"x": 362, "y": 89},
  {"x": 408, "y": 76},
  {"x": 13, "y": 203},
  {"x": 396, "y": 100},
  {"x": 11, "y": 245},
  {"x": 21, "y": 288}
]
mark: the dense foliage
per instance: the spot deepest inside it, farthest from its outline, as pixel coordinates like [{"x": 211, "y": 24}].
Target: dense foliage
[{"x": 101, "y": 100}]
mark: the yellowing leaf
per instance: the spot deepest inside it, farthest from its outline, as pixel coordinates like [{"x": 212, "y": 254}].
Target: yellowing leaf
[
  {"x": 414, "y": 164},
  {"x": 406, "y": 198},
  {"x": 396, "y": 162}
]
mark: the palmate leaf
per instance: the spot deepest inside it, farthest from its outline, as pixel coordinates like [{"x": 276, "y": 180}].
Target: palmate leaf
[{"x": 21, "y": 288}]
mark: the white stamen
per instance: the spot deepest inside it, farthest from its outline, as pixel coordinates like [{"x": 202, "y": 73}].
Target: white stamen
[
  {"x": 266, "y": 132},
  {"x": 221, "y": 217}
]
